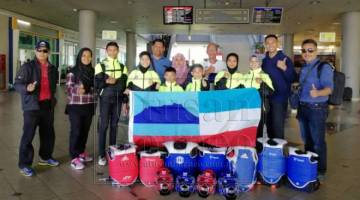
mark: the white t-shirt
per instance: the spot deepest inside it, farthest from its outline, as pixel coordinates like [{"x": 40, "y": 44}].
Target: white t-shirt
[{"x": 219, "y": 65}]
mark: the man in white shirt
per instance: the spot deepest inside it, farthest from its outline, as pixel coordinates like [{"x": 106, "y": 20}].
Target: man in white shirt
[{"x": 212, "y": 65}]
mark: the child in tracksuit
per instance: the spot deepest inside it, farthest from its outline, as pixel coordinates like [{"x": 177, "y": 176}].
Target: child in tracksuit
[
  {"x": 230, "y": 79},
  {"x": 170, "y": 84},
  {"x": 258, "y": 79},
  {"x": 197, "y": 83},
  {"x": 144, "y": 78}
]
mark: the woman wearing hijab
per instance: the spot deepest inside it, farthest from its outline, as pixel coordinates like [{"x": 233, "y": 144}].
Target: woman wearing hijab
[
  {"x": 80, "y": 106},
  {"x": 230, "y": 79},
  {"x": 182, "y": 71}
]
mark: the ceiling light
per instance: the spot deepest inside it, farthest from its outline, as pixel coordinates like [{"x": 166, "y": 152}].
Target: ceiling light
[
  {"x": 314, "y": 2},
  {"x": 336, "y": 23},
  {"x": 75, "y": 10},
  {"x": 113, "y": 22},
  {"x": 298, "y": 23},
  {"x": 25, "y": 23},
  {"x": 310, "y": 30}
]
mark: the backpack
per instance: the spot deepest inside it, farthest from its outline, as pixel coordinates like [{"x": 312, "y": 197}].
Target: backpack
[
  {"x": 347, "y": 94},
  {"x": 336, "y": 97}
]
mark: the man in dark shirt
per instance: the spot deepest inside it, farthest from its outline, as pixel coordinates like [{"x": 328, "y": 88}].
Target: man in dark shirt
[
  {"x": 281, "y": 71},
  {"x": 36, "y": 82}
]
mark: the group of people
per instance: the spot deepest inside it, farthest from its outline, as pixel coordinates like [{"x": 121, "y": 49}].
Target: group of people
[{"x": 110, "y": 82}]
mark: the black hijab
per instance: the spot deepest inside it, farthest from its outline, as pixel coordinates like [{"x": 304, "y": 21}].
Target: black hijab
[
  {"x": 84, "y": 73},
  {"x": 232, "y": 71}
]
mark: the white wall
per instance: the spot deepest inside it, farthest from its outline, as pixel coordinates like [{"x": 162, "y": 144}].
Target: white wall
[{"x": 238, "y": 44}]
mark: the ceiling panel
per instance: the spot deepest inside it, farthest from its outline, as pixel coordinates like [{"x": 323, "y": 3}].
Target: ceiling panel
[{"x": 144, "y": 17}]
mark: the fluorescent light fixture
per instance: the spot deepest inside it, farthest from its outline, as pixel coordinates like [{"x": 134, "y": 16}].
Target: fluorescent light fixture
[
  {"x": 315, "y": 2},
  {"x": 327, "y": 37},
  {"x": 22, "y": 22}
]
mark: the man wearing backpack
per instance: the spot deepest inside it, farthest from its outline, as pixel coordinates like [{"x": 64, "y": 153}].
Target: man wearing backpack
[
  {"x": 110, "y": 82},
  {"x": 316, "y": 86}
]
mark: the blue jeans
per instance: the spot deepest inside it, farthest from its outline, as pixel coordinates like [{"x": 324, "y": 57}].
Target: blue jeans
[
  {"x": 275, "y": 119},
  {"x": 312, "y": 121}
]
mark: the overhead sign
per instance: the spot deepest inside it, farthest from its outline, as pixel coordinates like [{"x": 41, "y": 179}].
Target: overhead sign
[
  {"x": 327, "y": 37},
  {"x": 178, "y": 14},
  {"x": 222, "y": 16},
  {"x": 109, "y": 35},
  {"x": 267, "y": 15}
]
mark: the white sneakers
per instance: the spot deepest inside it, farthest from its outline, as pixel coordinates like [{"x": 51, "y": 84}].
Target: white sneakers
[
  {"x": 102, "y": 161},
  {"x": 84, "y": 157},
  {"x": 79, "y": 162}
]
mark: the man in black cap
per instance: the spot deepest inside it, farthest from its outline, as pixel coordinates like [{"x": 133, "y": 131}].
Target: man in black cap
[{"x": 36, "y": 82}]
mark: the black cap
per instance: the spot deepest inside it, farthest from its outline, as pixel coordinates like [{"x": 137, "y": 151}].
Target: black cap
[{"x": 42, "y": 43}]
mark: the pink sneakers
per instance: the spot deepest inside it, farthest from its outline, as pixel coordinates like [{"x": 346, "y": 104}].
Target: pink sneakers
[{"x": 77, "y": 164}]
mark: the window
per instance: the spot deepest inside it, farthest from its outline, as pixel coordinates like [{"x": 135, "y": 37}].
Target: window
[{"x": 193, "y": 52}]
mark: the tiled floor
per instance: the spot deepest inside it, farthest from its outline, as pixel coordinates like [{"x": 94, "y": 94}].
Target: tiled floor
[{"x": 342, "y": 181}]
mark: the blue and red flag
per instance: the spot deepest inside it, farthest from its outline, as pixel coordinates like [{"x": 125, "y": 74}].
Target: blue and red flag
[{"x": 220, "y": 118}]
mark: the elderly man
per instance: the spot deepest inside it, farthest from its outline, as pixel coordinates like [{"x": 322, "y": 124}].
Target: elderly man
[
  {"x": 212, "y": 65},
  {"x": 36, "y": 82}
]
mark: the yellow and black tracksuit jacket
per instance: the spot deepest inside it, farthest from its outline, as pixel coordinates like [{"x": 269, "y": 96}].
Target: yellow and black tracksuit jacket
[
  {"x": 143, "y": 79},
  {"x": 110, "y": 67},
  {"x": 196, "y": 85},
  {"x": 265, "y": 87},
  {"x": 170, "y": 87},
  {"x": 233, "y": 82}
]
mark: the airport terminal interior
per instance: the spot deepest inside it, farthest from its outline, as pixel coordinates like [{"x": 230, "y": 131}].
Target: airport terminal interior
[{"x": 186, "y": 27}]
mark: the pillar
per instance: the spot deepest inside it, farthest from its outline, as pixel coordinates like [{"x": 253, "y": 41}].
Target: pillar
[
  {"x": 87, "y": 33},
  {"x": 350, "y": 46},
  {"x": 289, "y": 45},
  {"x": 130, "y": 49}
]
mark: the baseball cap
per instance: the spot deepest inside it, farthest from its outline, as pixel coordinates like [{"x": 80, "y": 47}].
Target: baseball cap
[{"x": 42, "y": 43}]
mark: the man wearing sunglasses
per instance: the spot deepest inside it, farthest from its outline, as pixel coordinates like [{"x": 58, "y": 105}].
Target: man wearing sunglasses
[
  {"x": 36, "y": 82},
  {"x": 282, "y": 73},
  {"x": 316, "y": 81}
]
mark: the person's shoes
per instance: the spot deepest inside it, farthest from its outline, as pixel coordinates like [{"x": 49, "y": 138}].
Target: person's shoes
[
  {"x": 102, "y": 161},
  {"x": 27, "y": 171},
  {"x": 84, "y": 157},
  {"x": 49, "y": 162},
  {"x": 321, "y": 176},
  {"x": 77, "y": 164}
]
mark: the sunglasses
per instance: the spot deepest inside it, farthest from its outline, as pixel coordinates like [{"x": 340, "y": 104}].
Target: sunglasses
[
  {"x": 42, "y": 50},
  {"x": 309, "y": 50}
]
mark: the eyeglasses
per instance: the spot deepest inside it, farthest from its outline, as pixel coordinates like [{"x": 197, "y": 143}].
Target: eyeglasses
[
  {"x": 309, "y": 50},
  {"x": 42, "y": 51}
]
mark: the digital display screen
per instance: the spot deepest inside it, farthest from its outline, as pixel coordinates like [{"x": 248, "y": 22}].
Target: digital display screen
[
  {"x": 222, "y": 16},
  {"x": 267, "y": 15},
  {"x": 178, "y": 14}
]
